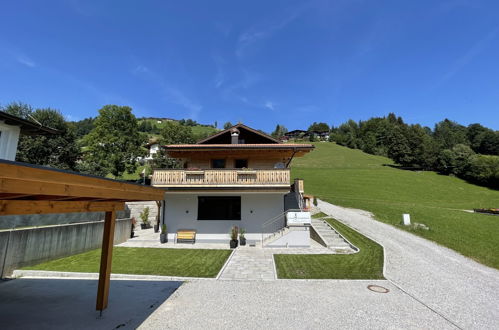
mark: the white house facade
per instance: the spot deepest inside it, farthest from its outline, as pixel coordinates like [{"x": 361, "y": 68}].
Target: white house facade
[{"x": 237, "y": 177}]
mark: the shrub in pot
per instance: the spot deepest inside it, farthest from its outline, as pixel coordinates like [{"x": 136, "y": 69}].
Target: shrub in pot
[
  {"x": 242, "y": 238},
  {"x": 144, "y": 215},
  {"x": 233, "y": 237},
  {"x": 163, "y": 237}
]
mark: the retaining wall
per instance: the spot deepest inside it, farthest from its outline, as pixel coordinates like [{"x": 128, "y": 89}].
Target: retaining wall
[
  {"x": 26, "y": 247},
  {"x": 135, "y": 208}
]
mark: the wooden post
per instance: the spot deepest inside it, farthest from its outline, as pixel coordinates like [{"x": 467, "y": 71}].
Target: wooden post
[{"x": 106, "y": 260}]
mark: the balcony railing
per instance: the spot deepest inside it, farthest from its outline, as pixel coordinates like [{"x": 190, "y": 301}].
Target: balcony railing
[{"x": 221, "y": 178}]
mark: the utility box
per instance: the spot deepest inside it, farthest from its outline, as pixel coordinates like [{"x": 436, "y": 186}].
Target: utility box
[
  {"x": 406, "y": 219},
  {"x": 298, "y": 219}
]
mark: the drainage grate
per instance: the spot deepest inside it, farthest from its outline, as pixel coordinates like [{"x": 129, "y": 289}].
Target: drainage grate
[{"x": 378, "y": 289}]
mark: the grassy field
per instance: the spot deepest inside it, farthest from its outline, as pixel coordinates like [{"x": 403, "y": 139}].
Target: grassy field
[
  {"x": 354, "y": 179},
  {"x": 145, "y": 261},
  {"x": 366, "y": 264}
]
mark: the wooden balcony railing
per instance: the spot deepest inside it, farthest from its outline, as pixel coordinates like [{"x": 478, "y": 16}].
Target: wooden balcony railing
[{"x": 221, "y": 178}]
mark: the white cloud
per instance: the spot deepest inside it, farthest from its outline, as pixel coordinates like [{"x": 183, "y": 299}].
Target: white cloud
[
  {"x": 140, "y": 69},
  {"x": 269, "y": 105},
  {"x": 177, "y": 97},
  {"x": 24, "y": 60},
  {"x": 249, "y": 38}
]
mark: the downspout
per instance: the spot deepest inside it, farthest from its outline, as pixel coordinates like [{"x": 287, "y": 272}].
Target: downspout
[{"x": 290, "y": 159}]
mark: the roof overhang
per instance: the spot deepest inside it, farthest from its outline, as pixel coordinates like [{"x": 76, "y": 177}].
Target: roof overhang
[{"x": 27, "y": 127}]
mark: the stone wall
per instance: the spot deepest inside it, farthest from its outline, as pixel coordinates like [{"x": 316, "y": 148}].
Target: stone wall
[
  {"x": 136, "y": 208},
  {"x": 26, "y": 247}
]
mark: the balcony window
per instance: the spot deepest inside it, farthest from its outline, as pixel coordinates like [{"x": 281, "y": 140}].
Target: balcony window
[
  {"x": 219, "y": 208},
  {"x": 241, "y": 163},
  {"x": 218, "y": 163}
]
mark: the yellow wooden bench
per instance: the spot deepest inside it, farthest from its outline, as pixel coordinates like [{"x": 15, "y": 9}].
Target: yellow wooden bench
[{"x": 186, "y": 236}]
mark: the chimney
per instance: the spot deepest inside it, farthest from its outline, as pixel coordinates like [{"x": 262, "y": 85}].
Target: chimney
[{"x": 234, "y": 134}]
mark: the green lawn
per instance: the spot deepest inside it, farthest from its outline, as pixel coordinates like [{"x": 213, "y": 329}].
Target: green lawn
[
  {"x": 352, "y": 178},
  {"x": 145, "y": 261},
  {"x": 366, "y": 264}
]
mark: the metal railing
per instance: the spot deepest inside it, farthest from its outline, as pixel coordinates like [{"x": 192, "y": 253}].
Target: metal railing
[{"x": 275, "y": 225}]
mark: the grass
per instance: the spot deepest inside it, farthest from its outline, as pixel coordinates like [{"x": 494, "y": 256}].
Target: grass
[
  {"x": 355, "y": 179},
  {"x": 145, "y": 261},
  {"x": 366, "y": 264}
]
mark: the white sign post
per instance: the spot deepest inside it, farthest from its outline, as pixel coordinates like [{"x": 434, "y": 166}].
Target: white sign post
[{"x": 406, "y": 219}]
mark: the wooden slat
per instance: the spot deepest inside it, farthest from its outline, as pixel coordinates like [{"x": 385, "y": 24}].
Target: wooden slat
[
  {"x": 106, "y": 261},
  {"x": 33, "y": 174},
  {"x": 11, "y": 207}
]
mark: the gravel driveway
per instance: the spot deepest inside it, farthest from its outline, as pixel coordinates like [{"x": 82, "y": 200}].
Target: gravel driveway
[{"x": 461, "y": 290}]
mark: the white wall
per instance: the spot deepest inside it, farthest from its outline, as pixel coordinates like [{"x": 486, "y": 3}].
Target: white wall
[
  {"x": 256, "y": 208},
  {"x": 9, "y": 137}
]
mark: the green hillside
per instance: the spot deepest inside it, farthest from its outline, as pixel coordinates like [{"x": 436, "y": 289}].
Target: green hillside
[
  {"x": 199, "y": 131},
  {"x": 355, "y": 179}
]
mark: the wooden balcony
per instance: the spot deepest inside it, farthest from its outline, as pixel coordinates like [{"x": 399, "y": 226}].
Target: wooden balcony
[{"x": 222, "y": 178}]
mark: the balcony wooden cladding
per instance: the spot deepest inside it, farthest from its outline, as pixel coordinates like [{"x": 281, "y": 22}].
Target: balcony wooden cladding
[{"x": 221, "y": 178}]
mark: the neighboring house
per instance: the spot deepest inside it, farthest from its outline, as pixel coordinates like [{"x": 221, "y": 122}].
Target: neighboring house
[
  {"x": 10, "y": 129},
  {"x": 298, "y": 134},
  {"x": 238, "y": 176},
  {"x": 153, "y": 147}
]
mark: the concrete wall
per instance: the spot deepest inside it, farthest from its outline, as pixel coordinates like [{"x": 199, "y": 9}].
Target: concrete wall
[
  {"x": 25, "y": 247},
  {"x": 32, "y": 220},
  {"x": 137, "y": 207},
  {"x": 181, "y": 212}
]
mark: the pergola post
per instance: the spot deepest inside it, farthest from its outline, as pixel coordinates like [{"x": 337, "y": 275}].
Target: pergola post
[{"x": 106, "y": 260}]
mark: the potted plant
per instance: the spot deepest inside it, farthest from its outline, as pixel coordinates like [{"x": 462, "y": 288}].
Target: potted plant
[
  {"x": 242, "y": 238},
  {"x": 134, "y": 222},
  {"x": 163, "y": 237},
  {"x": 233, "y": 237},
  {"x": 144, "y": 215}
]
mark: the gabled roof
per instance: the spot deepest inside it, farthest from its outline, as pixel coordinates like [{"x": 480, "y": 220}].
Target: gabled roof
[
  {"x": 27, "y": 127},
  {"x": 249, "y": 134}
]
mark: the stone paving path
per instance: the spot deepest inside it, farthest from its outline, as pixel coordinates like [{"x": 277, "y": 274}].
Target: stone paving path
[{"x": 256, "y": 263}]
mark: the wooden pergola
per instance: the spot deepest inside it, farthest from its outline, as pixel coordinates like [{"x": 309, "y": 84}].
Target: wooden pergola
[{"x": 31, "y": 189}]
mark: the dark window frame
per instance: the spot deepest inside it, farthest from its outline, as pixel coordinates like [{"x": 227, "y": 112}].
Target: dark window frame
[
  {"x": 225, "y": 208},
  {"x": 216, "y": 160},
  {"x": 241, "y": 160}
]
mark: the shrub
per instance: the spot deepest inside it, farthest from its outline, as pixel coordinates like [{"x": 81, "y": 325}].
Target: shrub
[
  {"x": 144, "y": 215},
  {"x": 234, "y": 233}
]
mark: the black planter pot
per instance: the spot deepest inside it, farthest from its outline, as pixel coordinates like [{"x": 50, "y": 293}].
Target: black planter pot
[
  {"x": 163, "y": 238},
  {"x": 242, "y": 240},
  {"x": 233, "y": 243},
  {"x": 143, "y": 226},
  {"x": 156, "y": 228}
]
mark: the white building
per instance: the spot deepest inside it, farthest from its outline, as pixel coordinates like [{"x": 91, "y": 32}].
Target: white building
[
  {"x": 237, "y": 177},
  {"x": 10, "y": 129}
]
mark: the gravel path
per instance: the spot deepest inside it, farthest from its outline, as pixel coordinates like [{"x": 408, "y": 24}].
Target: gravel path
[{"x": 459, "y": 289}]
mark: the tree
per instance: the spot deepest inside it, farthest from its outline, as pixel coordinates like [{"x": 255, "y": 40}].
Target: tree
[
  {"x": 279, "y": 131},
  {"x": 175, "y": 133},
  {"x": 162, "y": 160},
  {"x": 58, "y": 151},
  {"x": 449, "y": 133},
  {"x": 114, "y": 144},
  {"x": 228, "y": 125},
  {"x": 82, "y": 127},
  {"x": 19, "y": 109},
  {"x": 318, "y": 127}
]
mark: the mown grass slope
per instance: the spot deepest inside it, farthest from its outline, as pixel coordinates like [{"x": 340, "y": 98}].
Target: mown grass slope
[
  {"x": 365, "y": 264},
  {"x": 355, "y": 179},
  {"x": 144, "y": 261}
]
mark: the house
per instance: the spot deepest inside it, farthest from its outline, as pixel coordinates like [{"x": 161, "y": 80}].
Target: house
[
  {"x": 239, "y": 176},
  {"x": 153, "y": 147},
  {"x": 11, "y": 127}
]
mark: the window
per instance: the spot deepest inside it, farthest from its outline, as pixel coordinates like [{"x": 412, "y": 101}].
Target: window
[
  {"x": 219, "y": 208},
  {"x": 218, "y": 163},
  {"x": 241, "y": 163}
]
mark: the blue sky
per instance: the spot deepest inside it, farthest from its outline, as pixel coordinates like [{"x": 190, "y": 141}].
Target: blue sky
[{"x": 258, "y": 62}]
